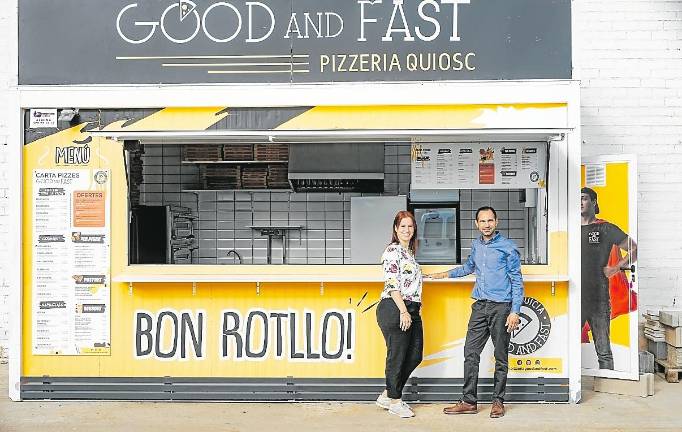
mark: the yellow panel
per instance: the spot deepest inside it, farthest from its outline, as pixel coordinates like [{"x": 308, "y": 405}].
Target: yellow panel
[
  {"x": 614, "y": 198},
  {"x": 553, "y": 365},
  {"x": 446, "y": 309},
  {"x": 423, "y": 116},
  {"x": 445, "y": 314},
  {"x": 174, "y": 119},
  {"x": 40, "y": 154}
]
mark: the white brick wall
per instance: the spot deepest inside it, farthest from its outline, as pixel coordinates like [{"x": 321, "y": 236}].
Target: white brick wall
[
  {"x": 5, "y": 78},
  {"x": 4, "y": 232},
  {"x": 630, "y": 63}
]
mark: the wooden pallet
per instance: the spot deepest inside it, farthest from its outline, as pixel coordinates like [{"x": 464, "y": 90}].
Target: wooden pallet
[
  {"x": 220, "y": 176},
  {"x": 670, "y": 373},
  {"x": 254, "y": 177},
  {"x": 208, "y": 152},
  {"x": 238, "y": 152},
  {"x": 271, "y": 152}
]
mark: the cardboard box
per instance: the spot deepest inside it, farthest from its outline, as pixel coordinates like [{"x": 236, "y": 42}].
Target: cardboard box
[{"x": 673, "y": 336}]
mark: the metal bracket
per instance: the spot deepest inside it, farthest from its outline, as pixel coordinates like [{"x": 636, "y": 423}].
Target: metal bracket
[
  {"x": 194, "y": 288},
  {"x": 321, "y": 288},
  {"x": 257, "y": 288},
  {"x": 553, "y": 288},
  {"x": 130, "y": 288}
]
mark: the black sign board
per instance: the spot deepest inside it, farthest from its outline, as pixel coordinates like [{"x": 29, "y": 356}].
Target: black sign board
[{"x": 299, "y": 41}]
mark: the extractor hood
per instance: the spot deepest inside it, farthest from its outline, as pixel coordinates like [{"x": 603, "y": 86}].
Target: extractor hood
[{"x": 336, "y": 167}]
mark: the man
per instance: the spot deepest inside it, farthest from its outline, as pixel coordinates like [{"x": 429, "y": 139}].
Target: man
[
  {"x": 598, "y": 240},
  {"x": 498, "y": 294}
]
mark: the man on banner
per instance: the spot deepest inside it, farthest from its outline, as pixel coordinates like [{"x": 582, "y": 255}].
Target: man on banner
[{"x": 605, "y": 290}]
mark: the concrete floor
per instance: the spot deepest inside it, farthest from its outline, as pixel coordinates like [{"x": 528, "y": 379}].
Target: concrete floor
[{"x": 597, "y": 412}]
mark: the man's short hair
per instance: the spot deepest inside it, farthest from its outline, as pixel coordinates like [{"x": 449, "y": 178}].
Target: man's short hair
[
  {"x": 486, "y": 208},
  {"x": 593, "y": 196}
]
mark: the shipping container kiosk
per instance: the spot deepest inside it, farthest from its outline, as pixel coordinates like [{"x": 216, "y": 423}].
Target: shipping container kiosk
[{"x": 220, "y": 240}]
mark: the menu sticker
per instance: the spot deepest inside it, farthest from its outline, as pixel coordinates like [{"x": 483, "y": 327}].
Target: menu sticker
[
  {"x": 88, "y": 209},
  {"x": 480, "y": 166},
  {"x": 71, "y": 262},
  {"x": 423, "y": 167},
  {"x": 42, "y": 118}
]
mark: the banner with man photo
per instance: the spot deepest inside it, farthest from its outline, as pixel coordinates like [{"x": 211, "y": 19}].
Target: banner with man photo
[{"x": 608, "y": 211}]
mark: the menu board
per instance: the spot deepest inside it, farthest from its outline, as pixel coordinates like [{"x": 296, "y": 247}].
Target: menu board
[
  {"x": 71, "y": 270},
  {"x": 479, "y": 166}
]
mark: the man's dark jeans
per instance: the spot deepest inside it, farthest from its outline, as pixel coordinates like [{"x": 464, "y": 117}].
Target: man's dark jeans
[
  {"x": 488, "y": 319},
  {"x": 403, "y": 348},
  {"x": 598, "y": 315}
]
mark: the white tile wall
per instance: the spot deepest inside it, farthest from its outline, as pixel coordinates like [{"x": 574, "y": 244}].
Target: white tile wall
[
  {"x": 510, "y": 212},
  {"x": 224, "y": 217}
]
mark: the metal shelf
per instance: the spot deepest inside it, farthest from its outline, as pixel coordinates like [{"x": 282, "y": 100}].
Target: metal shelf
[
  {"x": 237, "y": 190},
  {"x": 240, "y": 162}
]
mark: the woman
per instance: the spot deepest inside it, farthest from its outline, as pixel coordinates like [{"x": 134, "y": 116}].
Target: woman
[{"x": 398, "y": 313}]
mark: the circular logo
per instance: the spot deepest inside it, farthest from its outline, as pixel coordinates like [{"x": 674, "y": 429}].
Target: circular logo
[
  {"x": 101, "y": 177},
  {"x": 534, "y": 176},
  {"x": 534, "y": 329}
]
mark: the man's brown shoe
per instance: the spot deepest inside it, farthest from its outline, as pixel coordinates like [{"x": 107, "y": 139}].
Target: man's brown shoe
[
  {"x": 461, "y": 408},
  {"x": 497, "y": 410}
]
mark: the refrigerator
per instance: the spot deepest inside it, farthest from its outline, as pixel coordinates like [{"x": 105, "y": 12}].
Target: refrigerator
[{"x": 438, "y": 228}]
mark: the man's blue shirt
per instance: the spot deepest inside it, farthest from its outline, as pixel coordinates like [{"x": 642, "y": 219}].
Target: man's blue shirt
[{"x": 497, "y": 264}]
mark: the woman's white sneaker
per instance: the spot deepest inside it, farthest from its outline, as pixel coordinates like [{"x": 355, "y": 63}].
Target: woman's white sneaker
[
  {"x": 383, "y": 401},
  {"x": 401, "y": 409}
]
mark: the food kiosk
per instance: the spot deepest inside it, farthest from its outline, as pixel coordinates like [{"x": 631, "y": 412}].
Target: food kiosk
[{"x": 218, "y": 236}]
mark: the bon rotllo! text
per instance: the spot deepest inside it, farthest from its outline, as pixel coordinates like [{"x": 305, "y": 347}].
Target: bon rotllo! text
[{"x": 288, "y": 335}]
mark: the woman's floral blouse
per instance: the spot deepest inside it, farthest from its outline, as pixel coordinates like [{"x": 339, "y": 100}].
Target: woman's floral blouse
[{"x": 402, "y": 273}]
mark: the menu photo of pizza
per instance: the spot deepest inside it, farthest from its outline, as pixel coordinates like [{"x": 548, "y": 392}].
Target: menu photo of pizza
[{"x": 486, "y": 166}]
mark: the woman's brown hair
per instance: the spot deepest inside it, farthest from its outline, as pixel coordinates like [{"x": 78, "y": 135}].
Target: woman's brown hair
[{"x": 396, "y": 223}]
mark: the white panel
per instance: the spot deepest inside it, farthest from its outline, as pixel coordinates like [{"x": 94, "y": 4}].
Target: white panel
[{"x": 371, "y": 221}]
